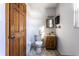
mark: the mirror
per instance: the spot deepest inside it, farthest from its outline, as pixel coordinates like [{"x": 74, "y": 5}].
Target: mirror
[{"x": 49, "y": 23}]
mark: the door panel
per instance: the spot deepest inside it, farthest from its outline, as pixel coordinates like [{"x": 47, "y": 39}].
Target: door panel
[
  {"x": 21, "y": 23},
  {"x": 17, "y": 29},
  {"x": 16, "y": 47},
  {"x": 16, "y": 43},
  {"x": 16, "y": 19}
]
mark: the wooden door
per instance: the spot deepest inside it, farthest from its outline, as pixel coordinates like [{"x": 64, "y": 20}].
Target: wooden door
[{"x": 17, "y": 29}]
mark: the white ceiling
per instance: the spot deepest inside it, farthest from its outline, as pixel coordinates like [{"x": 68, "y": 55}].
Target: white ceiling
[
  {"x": 42, "y": 6},
  {"x": 41, "y": 10}
]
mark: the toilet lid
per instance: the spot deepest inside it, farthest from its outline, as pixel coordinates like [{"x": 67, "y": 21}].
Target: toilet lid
[{"x": 38, "y": 42}]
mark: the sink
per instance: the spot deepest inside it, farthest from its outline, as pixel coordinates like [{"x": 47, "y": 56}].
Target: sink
[{"x": 50, "y": 35}]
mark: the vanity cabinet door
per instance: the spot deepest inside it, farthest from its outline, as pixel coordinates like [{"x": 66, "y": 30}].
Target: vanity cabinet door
[
  {"x": 50, "y": 42},
  {"x": 47, "y": 43}
]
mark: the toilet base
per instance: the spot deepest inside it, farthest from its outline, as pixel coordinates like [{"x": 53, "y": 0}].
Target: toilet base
[{"x": 38, "y": 50}]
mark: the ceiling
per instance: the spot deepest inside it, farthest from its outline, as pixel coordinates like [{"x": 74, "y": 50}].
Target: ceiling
[
  {"x": 41, "y": 10},
  {"x": 38, "y": 6},
  {"x": 43, "y": 5}
]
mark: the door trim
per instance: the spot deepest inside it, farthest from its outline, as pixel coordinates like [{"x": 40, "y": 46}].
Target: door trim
[{"x": 7, "y": 28}]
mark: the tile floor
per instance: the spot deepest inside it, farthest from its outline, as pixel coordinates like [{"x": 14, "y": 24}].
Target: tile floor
[{"x": 43, "y": 52}]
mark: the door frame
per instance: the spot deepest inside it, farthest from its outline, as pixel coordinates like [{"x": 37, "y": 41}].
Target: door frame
[{"x": 7, "y": 28}]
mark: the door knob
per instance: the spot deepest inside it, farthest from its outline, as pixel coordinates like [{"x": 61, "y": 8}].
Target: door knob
[{"x": 12, "y": 37}]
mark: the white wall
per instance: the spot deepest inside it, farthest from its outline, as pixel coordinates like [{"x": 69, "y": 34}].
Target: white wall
[
  {"x": 2, "y": 29},
  {"x": 68, "y": 36}
]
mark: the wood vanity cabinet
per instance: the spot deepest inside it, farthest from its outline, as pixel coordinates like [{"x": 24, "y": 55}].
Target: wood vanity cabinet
[{"x": 51, "y": 42}]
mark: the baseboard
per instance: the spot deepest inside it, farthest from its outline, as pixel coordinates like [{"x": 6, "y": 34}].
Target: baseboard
[
  {"x": 59, "y": 54},
  {"x": 63, "y": 55}
]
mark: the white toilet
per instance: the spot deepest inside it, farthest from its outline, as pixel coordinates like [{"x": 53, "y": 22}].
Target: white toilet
[{"x": 38, "y": 44}]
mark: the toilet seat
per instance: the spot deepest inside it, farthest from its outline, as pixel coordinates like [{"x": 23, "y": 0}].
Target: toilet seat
[{"x": 38, "y": 43}]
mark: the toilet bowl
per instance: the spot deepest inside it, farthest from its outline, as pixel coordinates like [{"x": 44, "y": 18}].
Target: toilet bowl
[{"x": 38, "y": 46}]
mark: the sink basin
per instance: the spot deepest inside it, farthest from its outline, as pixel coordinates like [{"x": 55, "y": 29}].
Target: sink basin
[{"x": 50, "y": 35}]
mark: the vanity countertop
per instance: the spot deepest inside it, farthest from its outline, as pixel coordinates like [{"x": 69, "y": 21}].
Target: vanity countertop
[{"x": 50, "y": 35}]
